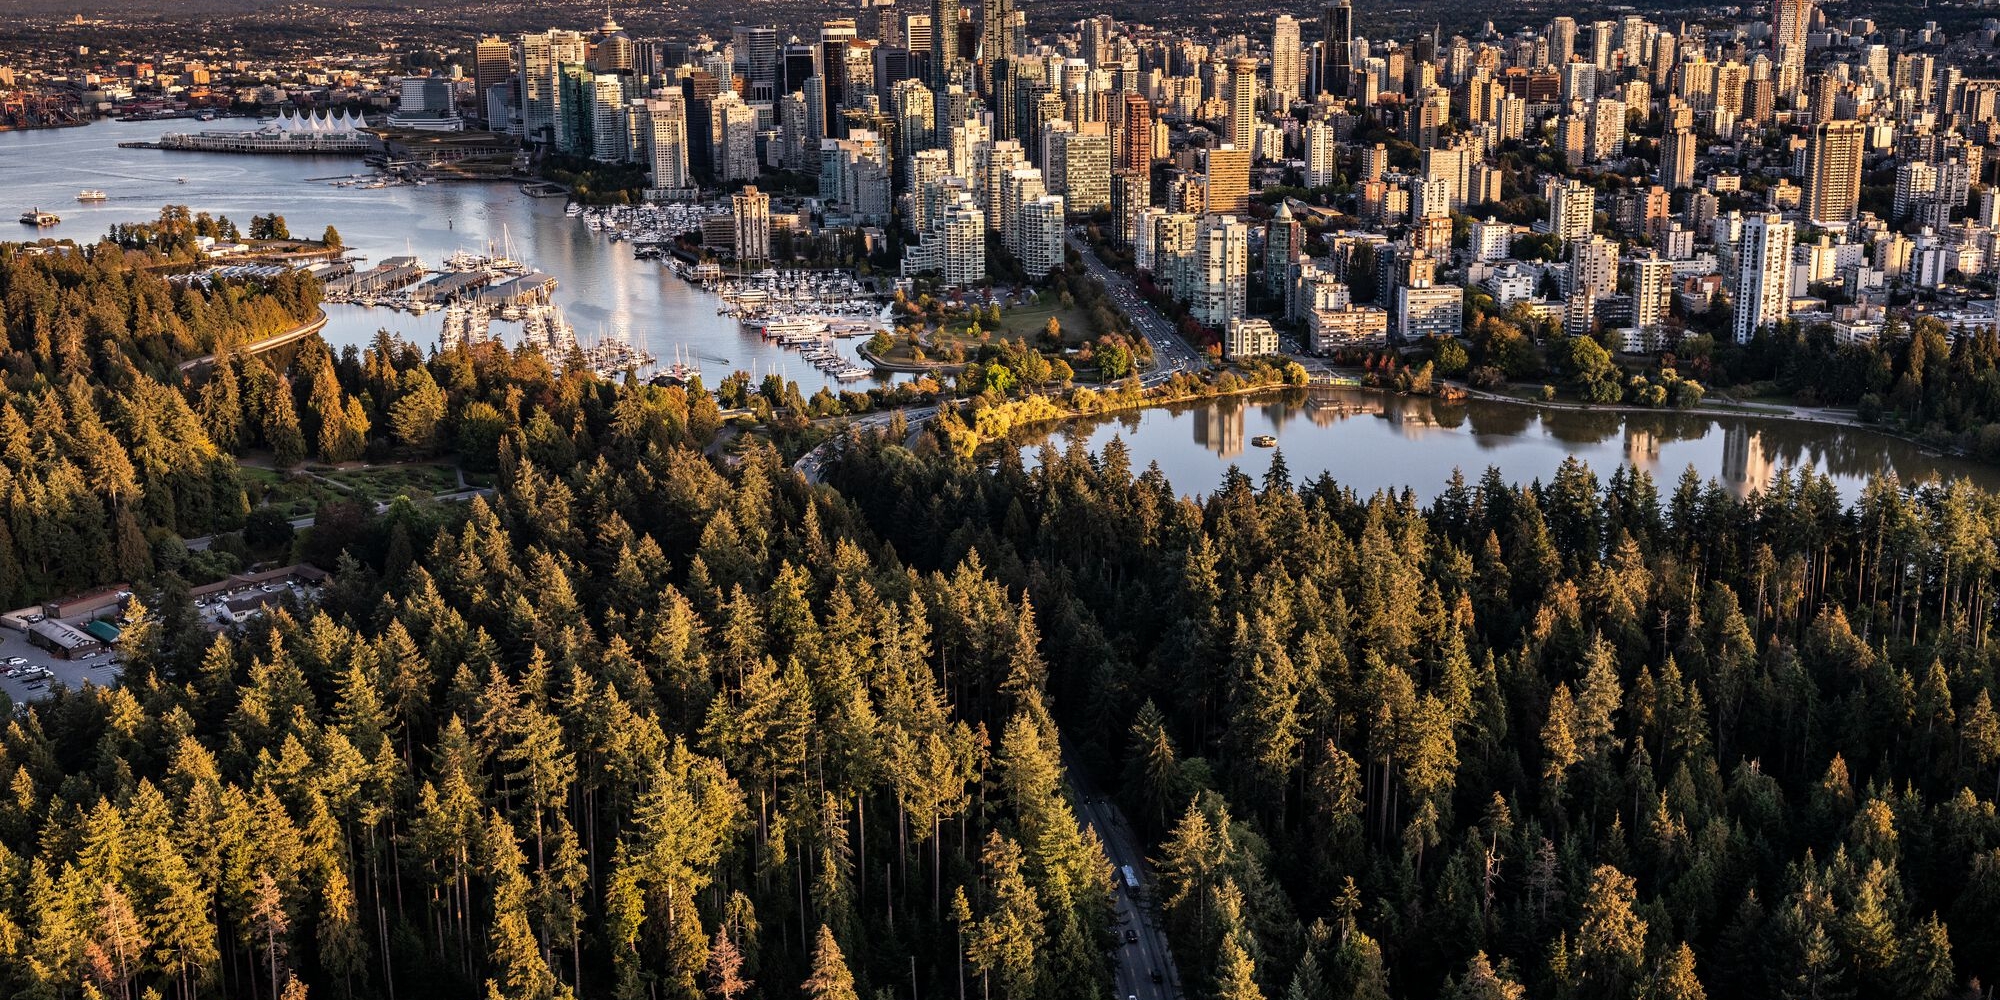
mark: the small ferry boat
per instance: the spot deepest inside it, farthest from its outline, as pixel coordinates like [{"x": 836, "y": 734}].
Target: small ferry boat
[
  {"x": 38, "y": 218},
  {"x": 88, "y": 195},
  {"x": 1265, "y": 441}
]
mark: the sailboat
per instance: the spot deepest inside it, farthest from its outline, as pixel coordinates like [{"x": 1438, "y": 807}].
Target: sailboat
[{"x": 682, "y": 372}]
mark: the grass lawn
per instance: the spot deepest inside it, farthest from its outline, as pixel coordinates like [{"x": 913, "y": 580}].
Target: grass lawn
[
  {"x": 387, "y": 482},
  {"x": 1028, "y": 321},
  {"x": 300, "y": 493}
]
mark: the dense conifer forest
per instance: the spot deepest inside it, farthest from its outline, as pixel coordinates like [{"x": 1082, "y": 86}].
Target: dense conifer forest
[{"x": 647, "y": 724}]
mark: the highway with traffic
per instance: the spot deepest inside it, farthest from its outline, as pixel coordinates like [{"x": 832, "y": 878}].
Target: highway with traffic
[
  {"x": 1170, "y": 353},
  {"x": 1144, "y": 965}
]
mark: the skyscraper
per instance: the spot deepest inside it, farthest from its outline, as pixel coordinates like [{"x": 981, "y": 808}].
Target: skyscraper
[
  {"x": 1227, "y": 175},
  {"x": 752, "y": 213},
  {"x": 1322, "y": 155},
  {"x": 834, "y": 38},
  {"x": 1763, "y": 265},
  {"x": 996, "y": 53},
  {"x": 1789, "y": 21},
  {"x": 944, "y": 40},
  {"x": 757, "y": 55},
  {"x": 1562, "y": 41},
  {"x": 1572, "y": 211},
  {"x": 1833, "y": 172},
  {"x": 1336, "y": 32},
  {"x": 1652, "y": 290},
  {"x": 1677, "y": 158},
  {"x": 540, "y": 95},
  {"x": 1285, "y": 69},
  {"x": 1243, "y": 102},
  {"x": 1222, "y": 271},
  {"x": 659, "y": 131},
  {"x": 492, "y": 65},
  {"x": 1135, "y": 136}
]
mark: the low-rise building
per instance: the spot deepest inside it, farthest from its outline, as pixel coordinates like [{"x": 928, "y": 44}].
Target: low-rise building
[
  {"x": 66, "y": 641},
  {"x": 1361, "y": 327},
  {"x": 1249, "y": 338}
]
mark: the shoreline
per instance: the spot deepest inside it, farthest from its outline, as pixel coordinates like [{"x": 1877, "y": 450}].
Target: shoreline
[{"x": 1711, "y": 414}]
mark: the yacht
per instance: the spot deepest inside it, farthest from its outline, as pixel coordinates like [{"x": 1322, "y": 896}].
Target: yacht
[
  {"x": 779, "y": 327},
  {"x": 38, "y": 218},
  {"x": 90, "y": 195}
]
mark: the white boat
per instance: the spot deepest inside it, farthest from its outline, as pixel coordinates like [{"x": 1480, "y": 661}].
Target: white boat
[
  {"x": 790, "y": 326},
  {"x": 90, "y": 195},
  {"x": 682, "y": 372}
]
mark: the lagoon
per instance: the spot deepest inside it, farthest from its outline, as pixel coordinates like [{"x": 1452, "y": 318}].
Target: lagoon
[{"x": 1370, "y": 440}]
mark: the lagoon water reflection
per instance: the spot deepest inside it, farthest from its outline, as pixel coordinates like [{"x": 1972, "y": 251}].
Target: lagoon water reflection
[{"x": 1368, "y": 441}]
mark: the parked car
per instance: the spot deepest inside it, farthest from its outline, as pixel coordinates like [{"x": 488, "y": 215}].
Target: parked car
[{"x": 15, "y": 661}]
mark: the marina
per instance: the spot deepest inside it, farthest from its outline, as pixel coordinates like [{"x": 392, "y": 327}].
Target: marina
[
  {"x": 815, "y": 339},
  {"x": 602, "y": 285}
]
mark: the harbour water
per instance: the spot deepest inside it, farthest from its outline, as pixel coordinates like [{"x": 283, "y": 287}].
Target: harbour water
[
  {"x": 1369, "y": 440},
  {"x": 1366, "y": 440},
  {"x": 602, "y": 288}
]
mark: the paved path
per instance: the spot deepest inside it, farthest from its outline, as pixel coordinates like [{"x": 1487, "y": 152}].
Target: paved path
[
  {"x": 812, "y": 464},
  {"x": 260, "y": 346},
  {"x": 465, "y": 495}
]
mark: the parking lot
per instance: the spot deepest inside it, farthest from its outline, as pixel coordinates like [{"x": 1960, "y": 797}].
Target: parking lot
[{"x": 101, "y": 669}]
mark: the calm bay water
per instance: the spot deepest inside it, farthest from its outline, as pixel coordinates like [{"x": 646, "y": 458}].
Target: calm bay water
[
  {"x": 1369, "y": 441},
  {"x": 1366, "y": 440},
  {"x": 601, "y": 287}
]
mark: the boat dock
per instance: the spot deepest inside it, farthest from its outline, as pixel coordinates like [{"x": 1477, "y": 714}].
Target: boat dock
[
  {"x": 526, "y": 288},
  {"x": 450, "y": 286},
  {"x": 387, "y": 276}
]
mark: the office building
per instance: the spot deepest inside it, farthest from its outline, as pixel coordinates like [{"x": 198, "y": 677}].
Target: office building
[
  {"x": 492, "y": 66},
  {"x": 1336, "y": 31}
]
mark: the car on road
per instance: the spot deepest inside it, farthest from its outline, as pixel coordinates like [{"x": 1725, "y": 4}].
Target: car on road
[
  {"x": 1157, "y": 977},
  {"x": 1131, "y": 936}
]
